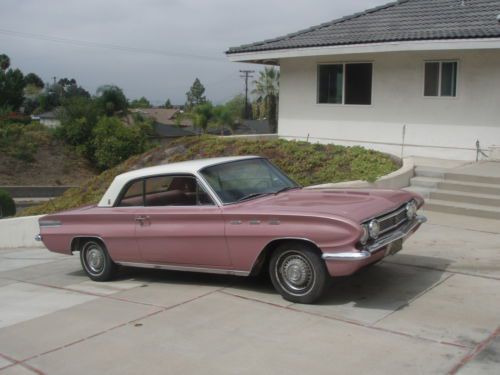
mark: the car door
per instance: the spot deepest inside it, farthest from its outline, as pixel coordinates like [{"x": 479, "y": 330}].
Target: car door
[{"x": 180, "y": 224}]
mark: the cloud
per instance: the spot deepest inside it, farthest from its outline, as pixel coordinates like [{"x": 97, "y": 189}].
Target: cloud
[{"x": 175, "y": 27}]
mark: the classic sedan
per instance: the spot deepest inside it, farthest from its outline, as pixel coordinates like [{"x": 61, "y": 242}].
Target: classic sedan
[{"x": 234, "y": 215}]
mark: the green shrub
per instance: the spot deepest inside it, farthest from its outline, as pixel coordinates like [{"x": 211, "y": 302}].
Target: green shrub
[
  {"x": 22, "y": 141},
  {"x": 115, "y": 142},
  {"x": 7, "y": 205}
]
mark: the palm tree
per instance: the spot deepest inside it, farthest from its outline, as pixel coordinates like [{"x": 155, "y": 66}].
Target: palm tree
[{"x": 267, "y": 90}]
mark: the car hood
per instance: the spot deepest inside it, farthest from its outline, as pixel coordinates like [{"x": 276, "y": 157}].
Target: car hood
[{"x": 356, "y": 204}]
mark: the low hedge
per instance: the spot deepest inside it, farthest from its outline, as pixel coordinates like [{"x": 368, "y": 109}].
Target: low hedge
[{"x": 7, "y": 204}]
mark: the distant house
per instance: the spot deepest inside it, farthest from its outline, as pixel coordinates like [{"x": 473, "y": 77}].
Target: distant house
[
  {"x": 166, "y": 123},
  {"x": 412, "y": 77},
  {"x": 171, "y": 131},
  {"x": 164, "y": 116},
  {"x": 49, "y": 119}
]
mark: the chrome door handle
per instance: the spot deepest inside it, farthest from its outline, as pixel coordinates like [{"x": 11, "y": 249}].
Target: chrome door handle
[{"x": 141, "y": 219}]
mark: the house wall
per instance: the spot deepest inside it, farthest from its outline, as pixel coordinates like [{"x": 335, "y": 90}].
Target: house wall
[
  {"x": 435, "y": 126},
  {"x": 50, "y": 123}
]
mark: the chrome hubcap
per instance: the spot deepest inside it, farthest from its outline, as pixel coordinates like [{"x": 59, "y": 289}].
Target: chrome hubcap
[
  {"x": 295, "y": 273},
  {"x": 95, "y": 259}
]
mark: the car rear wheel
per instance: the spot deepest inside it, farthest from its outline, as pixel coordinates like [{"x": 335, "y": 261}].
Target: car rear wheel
[
  {"x": 96, "y": 261},
  {"x": 298, "y": 273}
]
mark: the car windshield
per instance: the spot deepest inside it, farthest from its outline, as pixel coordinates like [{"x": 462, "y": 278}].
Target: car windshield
[{"x": 246, "y": 179}]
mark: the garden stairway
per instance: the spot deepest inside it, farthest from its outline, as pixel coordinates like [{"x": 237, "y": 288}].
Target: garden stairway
[{"x": 471, "y": 190}]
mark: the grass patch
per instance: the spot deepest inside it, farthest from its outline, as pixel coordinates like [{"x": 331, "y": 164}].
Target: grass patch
[{"x": 306, "y": 163}]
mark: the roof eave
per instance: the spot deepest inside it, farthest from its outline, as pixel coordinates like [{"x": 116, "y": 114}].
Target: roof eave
[{"x": 270, "y": 57}]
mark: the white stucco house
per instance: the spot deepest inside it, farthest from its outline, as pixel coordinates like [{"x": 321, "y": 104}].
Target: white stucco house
[{"x": 412, "y": 77}]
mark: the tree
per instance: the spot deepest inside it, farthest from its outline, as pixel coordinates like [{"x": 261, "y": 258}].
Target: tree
[
  {"x": 195, "y": 95},
  {"x": 140, "y": 103},
  {"x": 4, "y": 62},
  {"x": 267, "y": 90},
  {"x": 34, "y": 80},
  {"x": 11, "y": 88},
  {"x": 79, "y": 117},
  {"x": 55, "y": 94},
  {"x": 168, "y": 104},
  {"x": 223, "y": 116},
  {"x": 237, "y": 107},
  {"x": 69, "y": 89},
  {"x": 111, "y": 99},
  {"x": 202, "y": 114},
  {"x": 32, "y": 90}
]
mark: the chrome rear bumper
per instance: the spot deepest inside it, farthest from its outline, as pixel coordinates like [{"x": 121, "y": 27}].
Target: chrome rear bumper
[{"x": 368, "y": 250}]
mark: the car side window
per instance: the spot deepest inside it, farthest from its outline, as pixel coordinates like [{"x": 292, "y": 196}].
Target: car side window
[
  {"x": 175, "y": 191},
  {"x": 133, "y": 195}
]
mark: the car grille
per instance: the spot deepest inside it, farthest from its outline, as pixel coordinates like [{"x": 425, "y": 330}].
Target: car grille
[{"x": 392, "y": 220}]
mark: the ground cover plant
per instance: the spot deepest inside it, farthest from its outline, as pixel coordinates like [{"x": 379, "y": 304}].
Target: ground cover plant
[{"x": 306, "y": 163}]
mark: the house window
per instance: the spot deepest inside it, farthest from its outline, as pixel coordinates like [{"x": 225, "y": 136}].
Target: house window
[
  {"x": 441, "y": 78},
  {"x": 345, "y": 83}
]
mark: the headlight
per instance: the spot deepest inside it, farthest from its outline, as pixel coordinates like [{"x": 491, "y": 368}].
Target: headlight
[
  {"x": 365, "y": 235},
  {"x": 411, "y": 210},
  {"x": 374, "y": 228}
]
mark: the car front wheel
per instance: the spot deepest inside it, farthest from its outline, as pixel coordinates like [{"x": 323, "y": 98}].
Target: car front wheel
[
  {"x": 298, "y": 273},
  {"x": 96, "y": 261}
]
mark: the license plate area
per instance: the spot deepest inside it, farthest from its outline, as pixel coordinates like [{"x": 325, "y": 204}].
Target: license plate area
[{"x": 394, "y": 247}]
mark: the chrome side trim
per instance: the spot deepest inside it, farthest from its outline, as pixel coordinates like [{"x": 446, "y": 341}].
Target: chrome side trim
[
  {"x": 346, "y": 256},
  {"x": 185, "y": 268},
  {"x": 84, "y": 236},
  {"x": 38, "y": 237},
  {"x": 49, "y": 223},
  {"x": 368, "y": 250}
]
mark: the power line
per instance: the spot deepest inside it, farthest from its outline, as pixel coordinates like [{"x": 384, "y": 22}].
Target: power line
[
  {"x": 115, "y": 47},
  {"x": 246, "y": 74}
]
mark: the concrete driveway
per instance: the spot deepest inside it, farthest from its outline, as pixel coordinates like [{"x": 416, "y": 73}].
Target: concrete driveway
[{"x": 432, "y": 309}]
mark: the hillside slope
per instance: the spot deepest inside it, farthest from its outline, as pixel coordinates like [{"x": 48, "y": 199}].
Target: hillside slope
[{"x": 306, "y": 163}]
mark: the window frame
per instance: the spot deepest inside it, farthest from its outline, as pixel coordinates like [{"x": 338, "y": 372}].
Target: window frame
[
  {"x": 457, "y": 82},
  {"x": 199, "y": 181},
  {"x": 343, "y": 63}
]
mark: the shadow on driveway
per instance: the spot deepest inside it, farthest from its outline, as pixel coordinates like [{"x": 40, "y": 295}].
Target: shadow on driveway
[{"x": 384, "y": 286}]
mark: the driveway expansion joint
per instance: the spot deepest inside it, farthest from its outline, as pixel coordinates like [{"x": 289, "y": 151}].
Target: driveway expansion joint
[
  {"x": 475, "y": 351},
  {"x": 16, "y": 362},
  {"x": 161, "y": 309},
  {"x": 351, "y": 322}
]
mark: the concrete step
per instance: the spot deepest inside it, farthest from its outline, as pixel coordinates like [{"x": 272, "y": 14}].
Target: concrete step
[
  {"x": 464, "y": 177},
  {"x": 425, "y": 182},
  {"x": 424, "y": 192},
  {"x": 465, "y": 197},
  {"x": 433, "y": 172},
  {"x": 469, "y": 187},
  {"x": 462, "y": 209}
]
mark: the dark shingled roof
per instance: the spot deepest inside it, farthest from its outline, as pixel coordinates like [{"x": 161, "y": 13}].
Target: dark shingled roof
[
  {"x": 171, "y": 131},
  {"x": 404, "y": 20}
]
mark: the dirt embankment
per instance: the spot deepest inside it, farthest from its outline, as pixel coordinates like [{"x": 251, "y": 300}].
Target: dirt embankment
[{"x": 54, "y": 164}]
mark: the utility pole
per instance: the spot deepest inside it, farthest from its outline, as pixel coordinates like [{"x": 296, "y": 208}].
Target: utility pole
[{"x": 246, "y": 74}]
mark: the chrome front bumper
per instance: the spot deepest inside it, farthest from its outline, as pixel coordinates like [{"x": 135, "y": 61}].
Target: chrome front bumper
[{"x": 368, "y": 250}]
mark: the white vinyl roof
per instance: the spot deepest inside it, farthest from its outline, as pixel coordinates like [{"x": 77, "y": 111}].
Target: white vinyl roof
[{"x": 191, "y": 167}]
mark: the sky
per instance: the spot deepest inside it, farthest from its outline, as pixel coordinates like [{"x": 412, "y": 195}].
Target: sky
[{"x": 152, "y": 48}]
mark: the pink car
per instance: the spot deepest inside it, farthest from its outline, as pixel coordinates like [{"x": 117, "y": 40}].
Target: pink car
[{"x": 238, "y": 216}]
